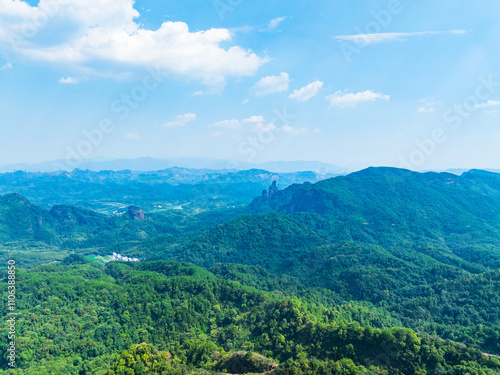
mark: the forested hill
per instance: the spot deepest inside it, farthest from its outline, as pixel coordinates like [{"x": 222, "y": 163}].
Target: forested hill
[
  {"x": 78, "y": 318},
  {"x": 424, "y": 246},
  {"x": 395, "y": 196},
  {"x": 434, "y": 217},
  {"x": 390, "y": 206}
]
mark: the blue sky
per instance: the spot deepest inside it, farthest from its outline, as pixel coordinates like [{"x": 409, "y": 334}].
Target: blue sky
[{"x": 353, "y": 83}]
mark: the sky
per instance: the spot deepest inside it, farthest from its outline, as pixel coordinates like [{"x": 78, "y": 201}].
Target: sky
[{"x": 412, "y": 84}]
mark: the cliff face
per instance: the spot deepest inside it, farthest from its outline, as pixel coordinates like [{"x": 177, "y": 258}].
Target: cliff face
[
  {"x": 135, "y": 213},
  {"x": 268, "y": 200}
]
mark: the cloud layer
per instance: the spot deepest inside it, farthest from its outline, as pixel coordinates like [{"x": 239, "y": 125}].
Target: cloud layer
[
  {"x": 340, "y": 99},
  {"x": 274, "y": 23},
  {"x": 489, "y": 103},
  {"x": 387, "y": 37},
  {"x": 271, "y": 85},
  {"x": 306, "y": 92},
  {"x": 255, "y": 121},
  {"x": 102, "y": 35},
  {"x": 181, "y": 120}
]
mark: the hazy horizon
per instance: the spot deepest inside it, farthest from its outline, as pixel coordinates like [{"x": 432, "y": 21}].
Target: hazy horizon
[{"x": 289, "y": 166}]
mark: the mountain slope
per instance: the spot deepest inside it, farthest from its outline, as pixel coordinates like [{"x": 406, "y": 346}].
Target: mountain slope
[
  {"x": 76, "y": 319},
  {"x": 394, "y": 207},
  {"x": 425, "y": 246},
  {"x": 20, "y": 220}
]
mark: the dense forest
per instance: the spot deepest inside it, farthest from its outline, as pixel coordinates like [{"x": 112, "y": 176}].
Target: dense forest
[
  {"x": 380, "y": 271},
  {"x": 80, "y": 317}
]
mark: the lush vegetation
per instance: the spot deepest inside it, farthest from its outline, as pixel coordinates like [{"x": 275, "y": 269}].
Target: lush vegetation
[
  {"x": 313, "y": 279},
  {"x": 79, "y": 319},
  {"x": 422, "y": 246}
]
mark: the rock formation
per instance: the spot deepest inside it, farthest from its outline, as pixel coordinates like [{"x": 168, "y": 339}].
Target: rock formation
[
  {"x": 135, "y": 213},
  {"x": 273, "y": 189}
]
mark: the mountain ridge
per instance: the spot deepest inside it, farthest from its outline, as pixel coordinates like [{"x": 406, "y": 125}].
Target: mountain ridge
[{"x": 151, "y": 164}]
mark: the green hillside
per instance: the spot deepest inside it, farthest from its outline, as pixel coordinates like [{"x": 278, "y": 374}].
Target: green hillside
[
  {"x": 424, "y": 246},
  {"x": 78, "y": 319}
]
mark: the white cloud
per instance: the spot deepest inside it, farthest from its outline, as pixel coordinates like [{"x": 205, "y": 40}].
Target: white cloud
[
  {"x": 6, "y": 66},
  {"x": 68, "y": 81},
  {"x": 489, "y": 103},
  {"x": 271, "y": 26},
  {"x": 274, "y": 23},
  {"x": 427, "y": 105},
  {"x": 257, "y": 122},
  {"x": 271, "y": 84},
  {"x": 491, "y": 112},
  {"x": 265, "y": 127},
  {"x": 306, "y": 92},
  {"x": 228, "y": 124},
  {"x": 254, "y": 119},
  {"x": 132, "y": 136},
  {"x": 387, "y": 37},
  {"x": 216, "y": 134},
  {"x": 342, "y": 100},
  {"x": 242, "y": 29},
  {"x": 103, "y": 38},
  {"x": 181, "y": 120},
  {"x": 291, "y": 130},
  {"x": 425, "y": 109}
]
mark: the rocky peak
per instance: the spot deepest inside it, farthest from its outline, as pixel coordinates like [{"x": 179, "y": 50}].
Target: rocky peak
[
  {"x": 273, "y": 189},
  {"x": 135, "y": 213}
]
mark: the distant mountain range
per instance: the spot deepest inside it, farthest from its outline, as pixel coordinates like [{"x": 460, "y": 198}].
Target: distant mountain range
[
  {"x": 147, "y": 164},
  {"x": 106, "y": 191},
  {"x": 151, "y": 164}
]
